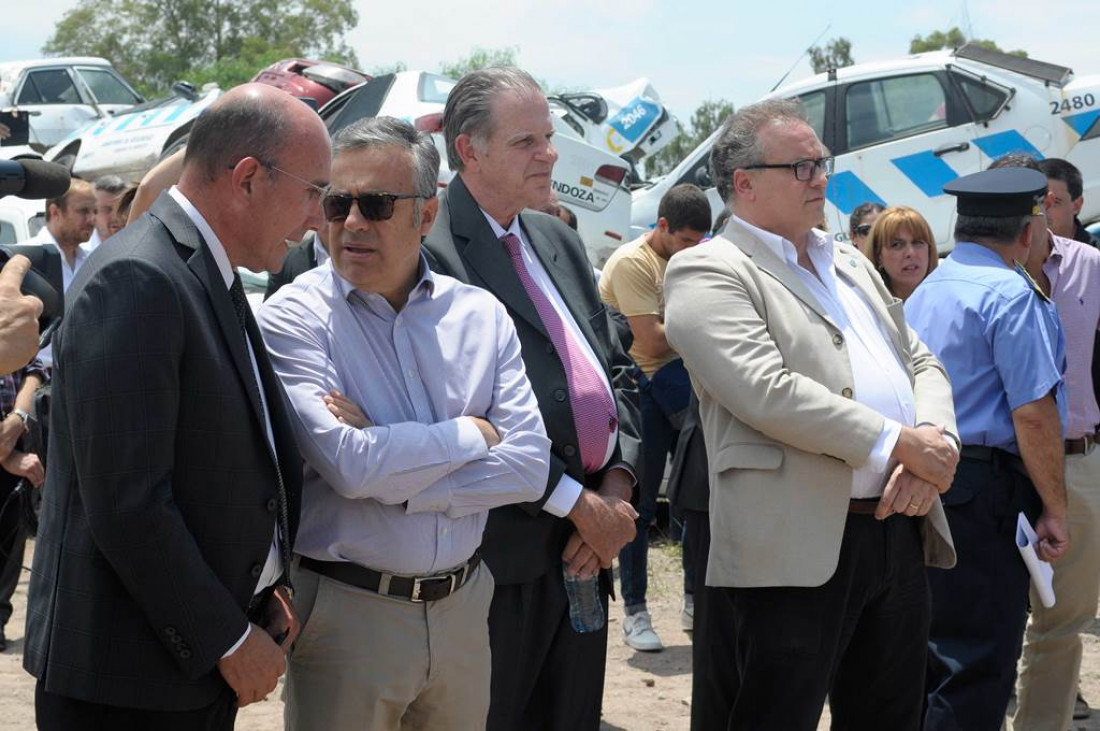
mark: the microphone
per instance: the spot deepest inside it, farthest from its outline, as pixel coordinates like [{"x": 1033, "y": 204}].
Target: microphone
[{"x": 33, "y": 179}]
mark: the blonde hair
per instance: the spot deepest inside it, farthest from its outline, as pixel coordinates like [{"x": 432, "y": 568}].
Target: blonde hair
[{"x": 886, "y": 228}]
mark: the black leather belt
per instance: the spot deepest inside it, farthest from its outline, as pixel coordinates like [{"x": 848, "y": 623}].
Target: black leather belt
[
  {"x": 414, "y": 588},
  {"x": 999, "y": 458},
  {"x": 1083, "y": 445}
]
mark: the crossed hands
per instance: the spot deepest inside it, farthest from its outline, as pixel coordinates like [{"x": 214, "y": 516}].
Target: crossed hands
[
  {"x": 254, "y": 668},
  {"x": 348, "y": 412},
  {"x": 605, "y": 522}
]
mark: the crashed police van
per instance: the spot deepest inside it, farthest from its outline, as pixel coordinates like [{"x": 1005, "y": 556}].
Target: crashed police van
[{"x": 902, "y": 129}]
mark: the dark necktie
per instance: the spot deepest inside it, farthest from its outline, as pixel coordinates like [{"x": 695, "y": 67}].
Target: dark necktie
[
  {"x": 240, "y": 305},
  {"x": 594, "y": 415}
]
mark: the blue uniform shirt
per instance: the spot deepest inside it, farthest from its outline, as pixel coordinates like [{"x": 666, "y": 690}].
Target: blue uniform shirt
[{"x": 999, "y": 339}]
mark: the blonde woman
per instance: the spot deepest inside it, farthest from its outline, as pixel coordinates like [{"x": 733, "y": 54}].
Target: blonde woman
[{"x": 902, "y": 248}]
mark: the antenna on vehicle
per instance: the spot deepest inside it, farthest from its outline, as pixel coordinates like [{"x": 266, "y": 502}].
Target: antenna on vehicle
[{"x": 812, "y": 44}]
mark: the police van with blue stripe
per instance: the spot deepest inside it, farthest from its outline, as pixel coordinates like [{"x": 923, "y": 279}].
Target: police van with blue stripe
[{"x": 902, "y": 129}]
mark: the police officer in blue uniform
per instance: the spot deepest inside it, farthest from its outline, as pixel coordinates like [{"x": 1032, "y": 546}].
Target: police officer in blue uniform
[{"x": 1001, "y": 342}]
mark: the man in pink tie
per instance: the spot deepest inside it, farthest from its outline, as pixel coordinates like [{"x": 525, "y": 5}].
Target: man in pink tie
[{"x": 498, "y": 131}]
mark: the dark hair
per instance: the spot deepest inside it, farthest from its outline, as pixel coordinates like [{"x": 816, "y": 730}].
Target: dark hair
[
  {"x": 1055, "y": 168},
  {"x": 112, "y": 184},
  {"x": 1016, "y": 160},
  {"x": 862, "y": 211},
  {"x": 738, "y": 144},
  {"x": 571, "y": 218},
  {"x": 720, "y": 222},
  {"x": 996, "y": 230},
  {"x": 125, "y": 201},
  {"x": 685, "y": 206},
  {"x": 469, "y": 106},
  {"x": 230, "y": 131}
]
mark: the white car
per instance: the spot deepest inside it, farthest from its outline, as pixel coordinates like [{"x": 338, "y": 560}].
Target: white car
[
  {"x": 20, "y": 219},
  {"x": 590, "y": 181},
  {"x": 57, "y": 96},
  {"x": 629, "y": 121},
  {"x": 902, "y": 129},
  {"x": 129, "y": 143}
]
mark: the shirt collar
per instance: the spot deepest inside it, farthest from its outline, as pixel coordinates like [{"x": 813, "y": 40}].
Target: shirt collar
[
  {"x": 969, "y": 249},
  {"x": 212, "y": 241},
  {"x": 515, "y": 229},
  {"x": 820, "y": 244},
  {"x": 1057, "y": 246},
  {"x": 320, "y": 253},
  {"x": 425, "y": 285}
]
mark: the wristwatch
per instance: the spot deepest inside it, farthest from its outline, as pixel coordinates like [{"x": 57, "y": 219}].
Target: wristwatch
[{"x": 24, "y": 417}]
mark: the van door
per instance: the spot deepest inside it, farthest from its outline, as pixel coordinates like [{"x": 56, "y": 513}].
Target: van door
[{"x": 899, "y": 140}]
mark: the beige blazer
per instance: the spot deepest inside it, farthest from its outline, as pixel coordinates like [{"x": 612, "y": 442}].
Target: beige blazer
[{"x": 775, "y": 388}]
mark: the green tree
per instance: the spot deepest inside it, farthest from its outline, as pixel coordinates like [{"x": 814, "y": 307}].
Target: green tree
[
  {"x": 707, "y": 117},
  {"x": 954, "y": 38},
  {"x": 154, "y": 43},
  {"x": 480, "y": 58},
  {"x": 835, "y": 54}
]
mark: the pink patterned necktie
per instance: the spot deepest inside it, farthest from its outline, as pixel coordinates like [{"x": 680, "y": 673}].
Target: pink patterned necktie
[{"x": 594, "y": 413}]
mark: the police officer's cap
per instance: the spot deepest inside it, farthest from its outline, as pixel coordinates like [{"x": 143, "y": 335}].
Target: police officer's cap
[{"x": 999, "y": 193}]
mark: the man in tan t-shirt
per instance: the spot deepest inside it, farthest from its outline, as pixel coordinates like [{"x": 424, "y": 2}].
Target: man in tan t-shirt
[{"x": 633, "y": 283}]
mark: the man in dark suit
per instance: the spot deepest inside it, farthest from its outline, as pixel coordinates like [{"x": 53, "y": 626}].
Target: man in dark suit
[
  {"x": 546, "y": 675},
  {"x": 159, "y": 597},
  {"x": 298, "y": 260}
]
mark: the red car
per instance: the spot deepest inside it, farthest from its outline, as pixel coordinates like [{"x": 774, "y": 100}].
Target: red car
[{"x": 316, "y": 80}]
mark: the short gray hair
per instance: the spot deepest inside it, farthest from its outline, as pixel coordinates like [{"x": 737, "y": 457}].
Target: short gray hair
[
  {"x": 391, "y": 132},
  {"x": 469, "y": 105},
  {"x": 112, "y": 184},
  {"x": 1002, "y": 230},
  {"x": 738, "y": 144}
]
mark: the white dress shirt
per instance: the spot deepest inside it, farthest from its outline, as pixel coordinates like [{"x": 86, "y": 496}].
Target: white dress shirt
[
  {"x": 568, "y": 490},
  {"x": 45, "y": 238},
  {"x": 273, "y": 567},
  {"x": 880, "y": 379}
]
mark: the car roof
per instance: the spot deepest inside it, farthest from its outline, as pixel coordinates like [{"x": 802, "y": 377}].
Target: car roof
[
  {"x": 916, "y": 62},
  {"x": 14, "y": 67}
]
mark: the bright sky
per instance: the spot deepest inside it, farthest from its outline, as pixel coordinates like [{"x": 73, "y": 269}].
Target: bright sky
[{"x": 690, "y": 51}]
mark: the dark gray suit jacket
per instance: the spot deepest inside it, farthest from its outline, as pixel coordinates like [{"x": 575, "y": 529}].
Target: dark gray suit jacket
[
  {"x": 523, "y": 541},
  {"x": 160, "y": 501},
  {"x": 298, "y": 260}
]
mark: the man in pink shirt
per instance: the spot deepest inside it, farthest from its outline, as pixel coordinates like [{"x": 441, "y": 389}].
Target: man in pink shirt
[{"x": 1068, "y": 272}]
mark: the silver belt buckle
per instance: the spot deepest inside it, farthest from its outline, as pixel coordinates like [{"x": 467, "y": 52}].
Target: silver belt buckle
[{"x": 416, "y": 585}]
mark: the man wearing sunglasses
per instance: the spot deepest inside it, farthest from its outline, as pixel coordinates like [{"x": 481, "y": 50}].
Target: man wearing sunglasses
[
  {"x": 823, "y": 418},
  {"x": 498, "y": 132},
  {"x": 435, "y": 424},
  {"x": 160, "y": 596}
]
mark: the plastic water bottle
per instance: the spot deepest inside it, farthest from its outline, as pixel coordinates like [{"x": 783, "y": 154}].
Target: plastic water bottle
[{"x": 585, "y": 608}]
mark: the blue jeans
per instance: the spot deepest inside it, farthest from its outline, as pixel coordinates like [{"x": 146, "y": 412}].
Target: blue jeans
[{"x": 658, "y": 443}]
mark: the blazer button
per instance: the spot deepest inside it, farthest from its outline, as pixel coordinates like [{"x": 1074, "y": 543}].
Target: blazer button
[
  {"x": 170, "y": 631},
  {"x": 569, "y": 450},
  {"x": 177, "y": 640},
  {"x": 838, "y": 340},
  {"x": 257, "y": 570},
  {"x": 550, "y": 348},
  {"x": 846, "y": 393},
  {"x": 271, "y": 505},
  {"x": 560, "y": 395},
  {"x": 185, "y": 654}
]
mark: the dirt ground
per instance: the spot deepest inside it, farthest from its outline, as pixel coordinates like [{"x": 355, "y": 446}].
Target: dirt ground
[{"x": 643, "y": 692}]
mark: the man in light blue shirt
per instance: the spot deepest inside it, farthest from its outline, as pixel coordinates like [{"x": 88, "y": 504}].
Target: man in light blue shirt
[{"x": 393, "y": 595}]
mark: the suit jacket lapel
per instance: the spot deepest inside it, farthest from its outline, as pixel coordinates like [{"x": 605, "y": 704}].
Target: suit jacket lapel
[
  {"x": 475, "y": 242},
  {"x": 848, "y": 267}
]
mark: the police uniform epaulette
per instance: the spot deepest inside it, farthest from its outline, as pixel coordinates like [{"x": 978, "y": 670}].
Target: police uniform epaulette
[{"x": 1030, "y": 280}]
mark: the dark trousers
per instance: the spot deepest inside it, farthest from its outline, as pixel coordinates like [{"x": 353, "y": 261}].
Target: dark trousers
[
  {"x": 860, "y": 639},
  {"x": 12, "y": 541},
  {"x": 60, "y": 713},
  {"x": 714, "y": 672},
  {"x": 658, "y": 444},
  {"x": 979, "y": 608},
  {"x": 546, "y": 676}
]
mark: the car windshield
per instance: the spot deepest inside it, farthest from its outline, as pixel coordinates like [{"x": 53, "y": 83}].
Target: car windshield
[{"x": 435, "y": 88}]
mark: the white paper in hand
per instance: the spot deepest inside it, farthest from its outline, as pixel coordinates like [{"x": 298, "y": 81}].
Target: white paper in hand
[{"x": 1042, "y": 573}]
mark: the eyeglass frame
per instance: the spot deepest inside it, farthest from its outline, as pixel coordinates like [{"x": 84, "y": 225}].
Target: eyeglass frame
[
  {"x": 393, "y": 198},
  {"x": 320, "y": 190},
  {"x": 825, "y": 164}
]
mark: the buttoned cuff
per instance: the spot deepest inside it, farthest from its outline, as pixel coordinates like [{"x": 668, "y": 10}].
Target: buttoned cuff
[
  {"x": 564, "y": 497},
  {"x": 879, "y": 459},
  {"x": 236, "y": 646}
]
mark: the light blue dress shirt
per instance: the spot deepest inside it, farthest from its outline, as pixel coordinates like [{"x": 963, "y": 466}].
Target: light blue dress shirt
[
  {"x": 998, "y": 338},
  {"x": 410, "y": 494}
]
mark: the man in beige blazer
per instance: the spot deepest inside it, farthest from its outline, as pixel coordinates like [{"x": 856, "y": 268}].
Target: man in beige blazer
[{"x": 830, "y": 433}]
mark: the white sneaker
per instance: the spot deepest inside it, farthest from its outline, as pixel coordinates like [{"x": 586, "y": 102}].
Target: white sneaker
[
  {"x": 638, "y": 633},
  {"x": 687, "y": 613}
]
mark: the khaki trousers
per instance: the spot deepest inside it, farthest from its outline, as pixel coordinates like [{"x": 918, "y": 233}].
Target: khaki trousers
[
  {"x": 1052, "y": 651},
  {"x": 366, "y": 662}
]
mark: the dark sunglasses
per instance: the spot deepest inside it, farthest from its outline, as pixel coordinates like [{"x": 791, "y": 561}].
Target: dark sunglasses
[
  {"x": 372, "y": 206},
  {"x": 863, "y": 229}
]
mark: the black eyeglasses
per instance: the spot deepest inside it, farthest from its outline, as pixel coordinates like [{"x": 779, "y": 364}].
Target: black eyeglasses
[
  {"x": 372, "y": 206},
  {"x": 803, "y": 169},
  {"x": 863, "y": 229}
]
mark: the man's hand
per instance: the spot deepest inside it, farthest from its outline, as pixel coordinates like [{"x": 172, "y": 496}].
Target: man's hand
[
  {"x": 11, "y": 429},
  {"x": 581, "y": 561},
  {"x": 5, "y": 131},
  {"x": 604, "y": 520},
  {"x": 488, "y": 431},
  {"x": 927, "y": 453},
  {"x": 907, "y": 494},
  {"x": 1053, "y": 535},
  {"x": 346, "y": 411},
  {"x": 18, "y": 317},
  {"x": 280, "y": 619},
  {"x": 24, "y": 464},
  {"x": 253, "y": 670}
]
